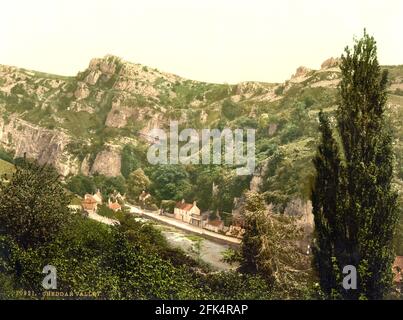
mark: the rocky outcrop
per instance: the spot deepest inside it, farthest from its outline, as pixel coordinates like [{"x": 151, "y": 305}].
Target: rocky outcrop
[
  {"x": 257, "y": 179},
  {"x": 44, "y": 145},
  {"x": 105, "y": 65},
  {"x": 156, "y": 121},
  {"x": 330, "y": 63},
  {"x": 118, "y": 117},
  {"x": 82, "y": 91},
  {"x": 107, "y": 162},
  {"x": 301, "y": 72},
  {"x": 85, "y": 166},
  {"x": 93, "y": 77}
]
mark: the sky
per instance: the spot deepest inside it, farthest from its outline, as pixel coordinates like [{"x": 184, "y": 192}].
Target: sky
[{"x": 221, "y": 41}]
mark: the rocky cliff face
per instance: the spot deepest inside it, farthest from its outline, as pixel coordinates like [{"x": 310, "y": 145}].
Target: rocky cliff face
[
  {"x": 108, "y": 163},
  {"x": 47, "y": 146}
]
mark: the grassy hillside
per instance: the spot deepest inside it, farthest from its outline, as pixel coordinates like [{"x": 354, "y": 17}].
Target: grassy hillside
[
  {"x": 6, "y": 167},
  {"x": 114, "y": 103}
]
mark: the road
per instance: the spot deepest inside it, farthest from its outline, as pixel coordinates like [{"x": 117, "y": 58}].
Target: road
[{"x": 105, "y": 220}]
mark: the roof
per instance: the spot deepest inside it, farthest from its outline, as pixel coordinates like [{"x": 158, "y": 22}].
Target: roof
[
  {"x": 89, "y": 197},
  {"x": 114, "y": 206},
  {"x": 215, "y": 223},
  {"x": 184, "y": 206},
  {"x": 89, "y": 203},
  {"x": 398, "y": 269}
]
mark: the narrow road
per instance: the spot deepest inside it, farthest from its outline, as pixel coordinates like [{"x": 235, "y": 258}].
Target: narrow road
[
  {"x": 214, "y": 236},
  {"x": 105, "y": 220}
]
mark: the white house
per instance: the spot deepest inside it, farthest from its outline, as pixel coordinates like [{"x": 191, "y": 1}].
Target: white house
[{"x": 187, "y": 212}]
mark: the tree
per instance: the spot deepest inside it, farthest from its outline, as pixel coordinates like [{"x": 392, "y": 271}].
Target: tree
[
  {"x": 269, "y": 248},
  {"x": 33, "y": 205},
  {"x": 230, "y": 109},
  {"x": 108, "y": 185},
  {"x": 136, "y": 183},
  {"x": 170, "y": 182},
  {"x": 81, "y": 185},
  {"x": 131, "y": 160},
  {"x": 353, "y": 201}
]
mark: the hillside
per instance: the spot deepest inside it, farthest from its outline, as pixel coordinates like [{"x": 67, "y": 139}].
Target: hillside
[
  {"x": 97, "y": 122},
  {"x": 5, "y": 168}
]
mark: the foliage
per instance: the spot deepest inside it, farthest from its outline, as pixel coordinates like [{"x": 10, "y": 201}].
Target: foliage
[
  {"x": 233, "y": 285},
  {"x": 108, "y": 185},
  {"x": 231, "y": 256},
  {"x": 269, "y": 248},
  {"x": 33, "y": 205},
  {"x": 169, "y": 182},
  {"x": 353, "y": 201},
  {"x": 230, "y": 109},
  {"x": 279, "y": 90},
  {"x": 103, "y": 210},
  {"x": 81, "y": 185},
  {"x": 137, "y": 182},
  {"x": 131, "y": 160}
]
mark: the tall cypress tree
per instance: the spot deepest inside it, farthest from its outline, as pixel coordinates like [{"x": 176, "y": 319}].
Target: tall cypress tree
[{"x": 354, "y": 206}]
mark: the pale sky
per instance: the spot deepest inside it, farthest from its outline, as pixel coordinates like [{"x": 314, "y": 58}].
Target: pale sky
[{"x": 207, "y": 40}]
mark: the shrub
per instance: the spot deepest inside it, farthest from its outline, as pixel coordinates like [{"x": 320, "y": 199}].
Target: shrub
[{"x": 230, "y": 109}]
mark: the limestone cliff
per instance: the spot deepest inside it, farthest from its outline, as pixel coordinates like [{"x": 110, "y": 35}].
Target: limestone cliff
[{"x": 47, "y": 146}]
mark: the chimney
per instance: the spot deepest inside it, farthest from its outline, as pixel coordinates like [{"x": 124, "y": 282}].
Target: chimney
[
  {"x": 194, "y": 203},
  {"x": 183, "y": 200}
]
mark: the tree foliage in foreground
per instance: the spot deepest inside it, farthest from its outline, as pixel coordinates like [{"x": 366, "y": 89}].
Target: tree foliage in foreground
[
  {"x": 353, "y": 201},
  {"x": 269, "y": 249},
  {"x": 33, "y": 205}
]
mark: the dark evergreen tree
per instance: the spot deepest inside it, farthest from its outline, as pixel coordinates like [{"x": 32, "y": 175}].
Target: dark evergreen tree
[{"x": 353, "y": 202}]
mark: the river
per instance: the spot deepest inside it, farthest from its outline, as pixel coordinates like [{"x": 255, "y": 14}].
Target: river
[{"x": 208, "y": 251}]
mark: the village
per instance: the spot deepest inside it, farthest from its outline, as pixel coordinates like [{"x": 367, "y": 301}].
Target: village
[{"x": 187, "y": 216}]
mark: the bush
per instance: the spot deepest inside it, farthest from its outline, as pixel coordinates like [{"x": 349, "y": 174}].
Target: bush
[
  {"x": 290, "y": 133},
  {"x": 81, "y": 185},
  {"x": 230, "y": 109},
  {"x": 33, "y": 205},
  {"x": 279, "y": 90}
]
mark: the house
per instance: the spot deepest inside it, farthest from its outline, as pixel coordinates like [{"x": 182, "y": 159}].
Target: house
[
  {"x": 118, "y": 196},
  {"x": 398, "y": 273},
  {"x": 188, "y": 213},
  {"x": 89, "y": 204},
  {"x": 215, "y": 225},
  {"x": 98, "y": 197},
  {"x": 115, "y": 206}
]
